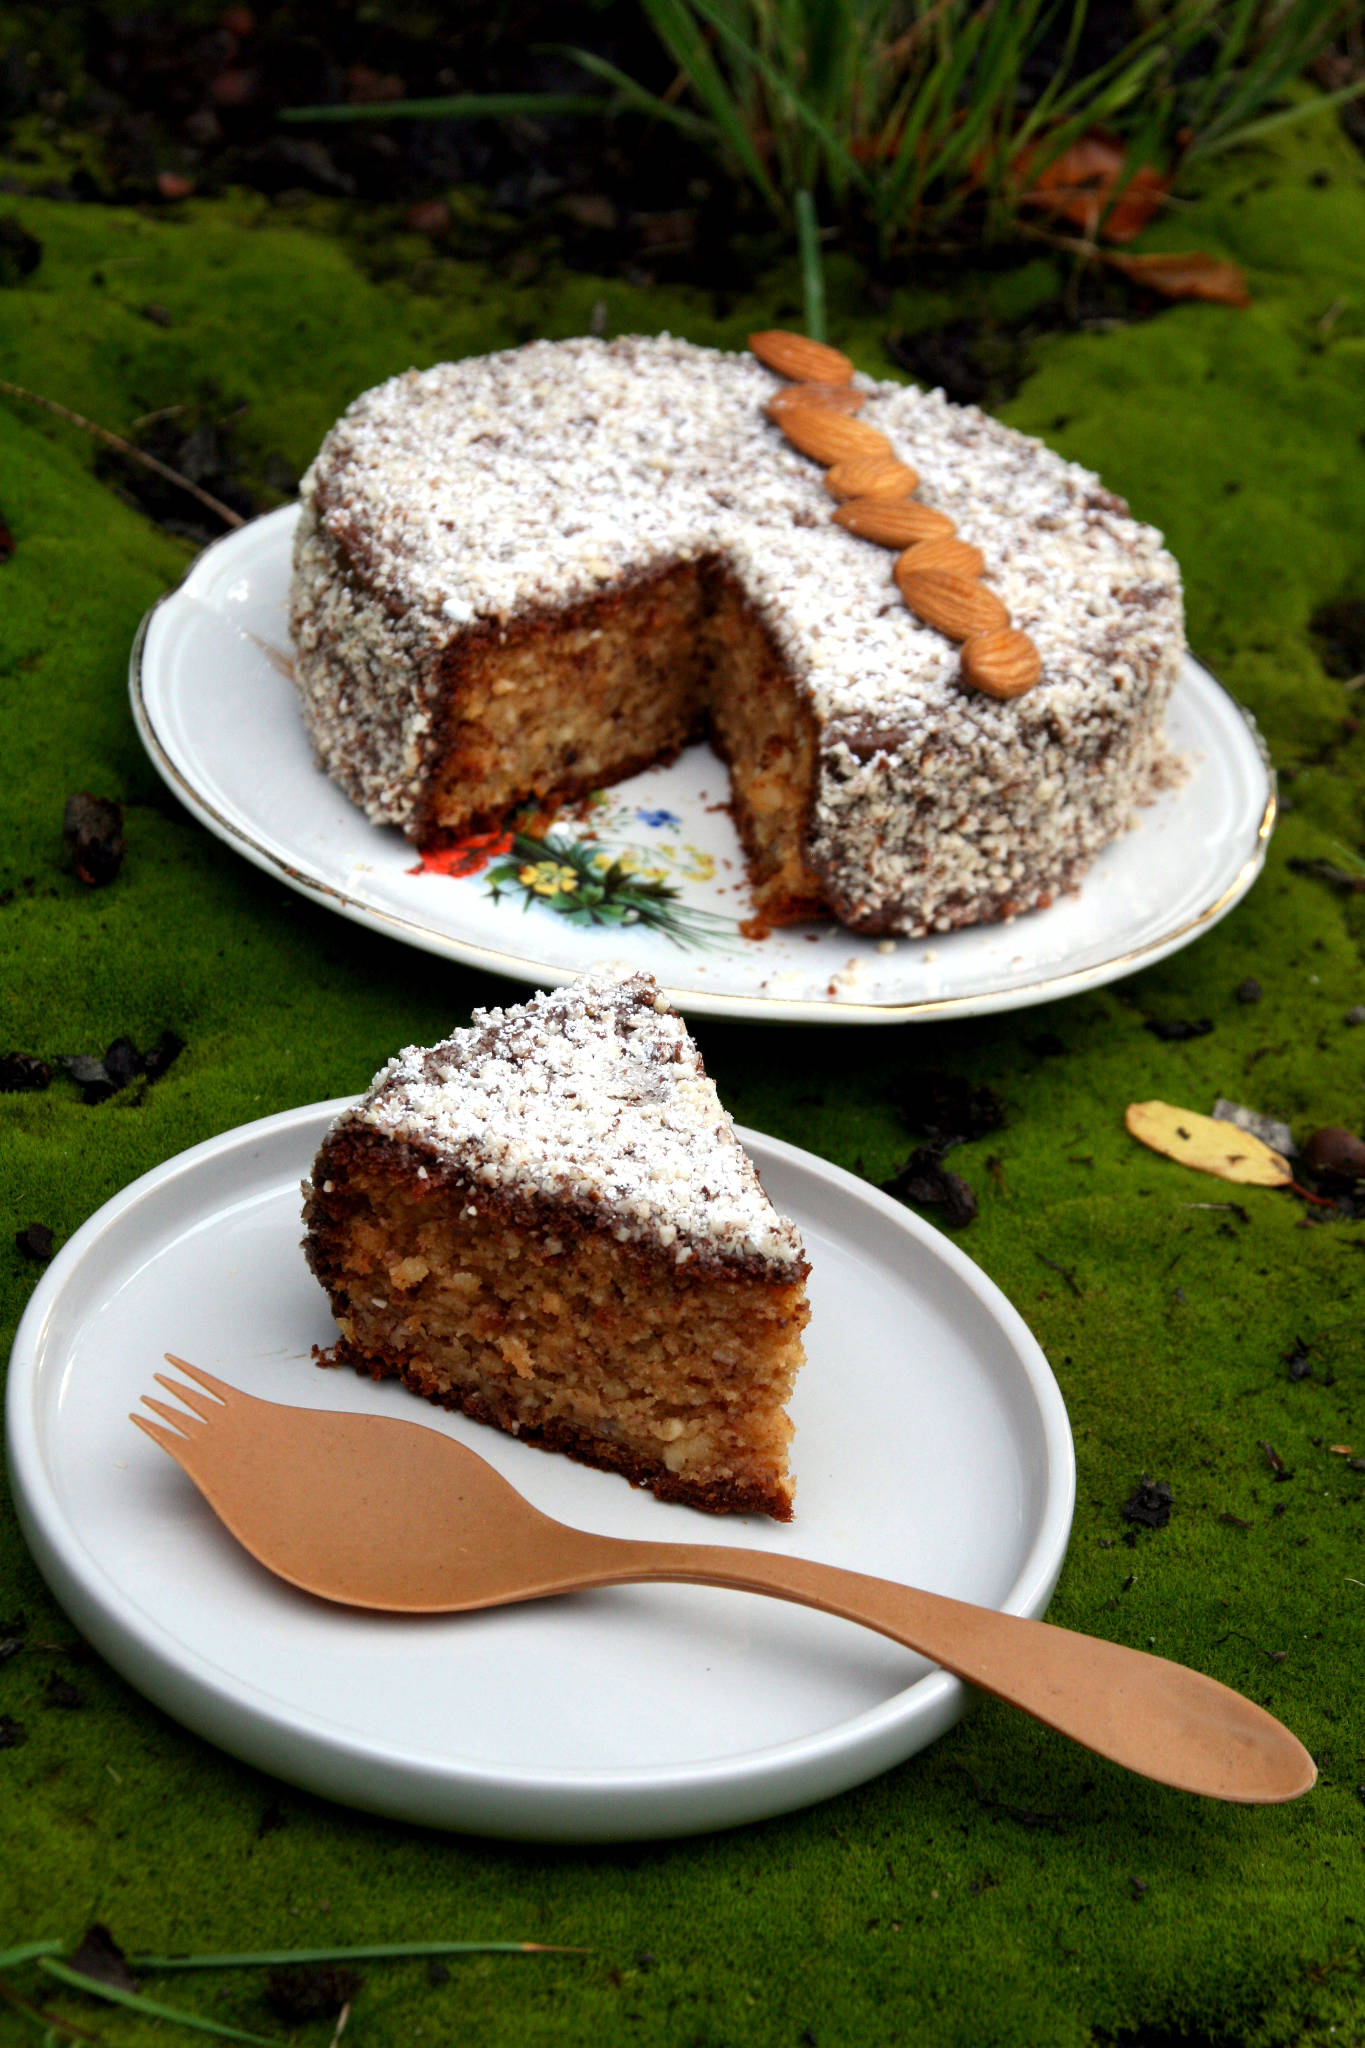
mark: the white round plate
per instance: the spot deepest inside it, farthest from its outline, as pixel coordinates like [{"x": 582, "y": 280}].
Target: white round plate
[
  {"x": 932, "y": 1447},
  {"x": 216, "y": 709}
]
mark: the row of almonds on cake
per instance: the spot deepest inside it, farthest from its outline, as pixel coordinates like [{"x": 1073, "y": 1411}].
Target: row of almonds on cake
[{"x": 937, "y": 572}]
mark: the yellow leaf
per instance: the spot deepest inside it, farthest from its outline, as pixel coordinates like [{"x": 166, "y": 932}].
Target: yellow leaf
[{"x": 1206, "y": 1144}]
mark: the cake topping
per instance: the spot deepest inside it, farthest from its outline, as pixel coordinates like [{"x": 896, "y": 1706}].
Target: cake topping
[
  {"x": 865, "y": 469},
  {"x": 871, "y": 476},
  {"x": 592, "y": 1094},
  {"x": 803, "y": 360},
  {"x": 953, "y": 604},
  {"x": 832, "y": 436},
  {"x": 892, "y": 525},
  {"x": 1003, "y": 664},
  {"x": 958, "y": 557},
  {"x": 828, "y": 397}
]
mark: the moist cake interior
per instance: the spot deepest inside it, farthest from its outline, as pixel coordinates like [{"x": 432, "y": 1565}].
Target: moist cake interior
[{"x": 625, "y": 680}]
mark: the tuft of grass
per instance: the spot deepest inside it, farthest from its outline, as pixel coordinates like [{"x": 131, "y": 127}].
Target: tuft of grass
[{"x": 920, "y": 122}]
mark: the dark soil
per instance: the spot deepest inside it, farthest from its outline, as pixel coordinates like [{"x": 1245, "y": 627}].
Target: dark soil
[{"x": 984, "y": 362}]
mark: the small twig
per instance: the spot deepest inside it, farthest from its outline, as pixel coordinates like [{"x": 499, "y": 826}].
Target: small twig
[
  {"x": 342, "y": 2018},
  {"x": 1065, "y": 1271},
  {"x": 163, "y": 412},
  {"x": 1275, "y": 1656},
  {"x": 172, "y": 476}
]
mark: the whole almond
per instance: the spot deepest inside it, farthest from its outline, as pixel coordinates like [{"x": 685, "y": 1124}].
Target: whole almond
[
  {"x": 892, "y": 525},
  {"x": 1003, "y": 664},
  {"x": 824, "y": 397},
  {"x": 958, "y": 556},
  {"x": 797, "y": 357},
  {"x": 871, "y": 476},
  {"x": 956, "y": 605},
  {"x": 831, "y": 436}
]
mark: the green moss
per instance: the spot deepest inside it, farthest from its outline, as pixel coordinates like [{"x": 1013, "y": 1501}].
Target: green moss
[{"x": 989, "y": 1890}]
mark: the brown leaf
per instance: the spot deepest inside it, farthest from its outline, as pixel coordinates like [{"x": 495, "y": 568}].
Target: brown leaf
[
  {"x": 1186, "y": 274},
  {"x": 1079, "y": 185},
  {"x": 1207, "y": 1145}
]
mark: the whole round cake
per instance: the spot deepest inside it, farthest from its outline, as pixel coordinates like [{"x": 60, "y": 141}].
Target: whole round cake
[{"x": 525, "y": 575}]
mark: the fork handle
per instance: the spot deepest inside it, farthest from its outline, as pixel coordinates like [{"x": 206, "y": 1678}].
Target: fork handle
[{"x": 1158, "y": 1718}]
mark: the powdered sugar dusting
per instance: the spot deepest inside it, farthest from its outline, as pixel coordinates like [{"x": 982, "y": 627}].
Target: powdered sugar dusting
[{"x": 594, "y": 1095}]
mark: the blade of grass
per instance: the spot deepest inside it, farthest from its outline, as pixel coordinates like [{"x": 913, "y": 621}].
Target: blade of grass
[
  {"x": 464, "y": 106},
  {"x": 673, "y": 24},
  {"x": 783, "y": 88},
  {"x": 29, "y": 1952},
  {"x": 371, "y": 1952},
  {"x": 812, "y": 269},
  {"x": 135, "y": 2002},
  {"x": 641, "y": 101},
  {"x": 1253, "y": 130}
]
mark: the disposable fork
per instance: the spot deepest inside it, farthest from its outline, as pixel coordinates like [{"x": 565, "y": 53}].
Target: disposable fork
[{"x": 377, "y": 1512}]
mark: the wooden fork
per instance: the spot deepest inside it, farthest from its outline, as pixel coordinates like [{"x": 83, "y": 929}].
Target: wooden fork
[{"x": 373, "y": 1511}]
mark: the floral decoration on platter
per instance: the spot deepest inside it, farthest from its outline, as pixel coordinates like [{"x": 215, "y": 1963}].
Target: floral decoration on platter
[{"x": 578, "y": 878}]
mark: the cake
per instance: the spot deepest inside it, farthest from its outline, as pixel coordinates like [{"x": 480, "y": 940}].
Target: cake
[
  {"x": 548, "y": 1222},
  {"x": 522, "y": 576}
]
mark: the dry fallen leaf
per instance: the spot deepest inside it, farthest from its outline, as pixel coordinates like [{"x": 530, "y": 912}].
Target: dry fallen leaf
[
  {"x": 1186, "y": 274},
  {"x": 1079, "y": 186},
  {"x": 1207, "y": 1145}
]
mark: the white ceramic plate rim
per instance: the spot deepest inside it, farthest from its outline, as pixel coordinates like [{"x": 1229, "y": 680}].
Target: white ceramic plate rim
[
  {"x": 544, "y": 1803},
  {"x": 1230, "y": 883}
]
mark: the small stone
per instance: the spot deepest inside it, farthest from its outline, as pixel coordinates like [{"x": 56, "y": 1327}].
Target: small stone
[
  {"x": 1269, "y": 1129},
  {"x": 92, "y": 833},
  {"x": 1356, "y": 1014},
  {"x": 1250, "y": 990},
  {"x": 428, "y": 217},
  {"x": 20, "y": 252},
  {"x": 35, "y": 1242},
  {"x": 310, "y": 1991},
  {"x": 1150, "y": 1506},
  {"x": 1335, "y": 1154},
  {"x": 23, "y": 1073},
  {"x": 1175, "y": 1029}
]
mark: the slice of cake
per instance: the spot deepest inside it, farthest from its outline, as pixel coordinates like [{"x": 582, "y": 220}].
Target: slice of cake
[{"x": 548, "y": 1221}]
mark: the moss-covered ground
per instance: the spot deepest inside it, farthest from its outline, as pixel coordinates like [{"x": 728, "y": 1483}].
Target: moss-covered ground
[{"x": 1003, "y": 1887}]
